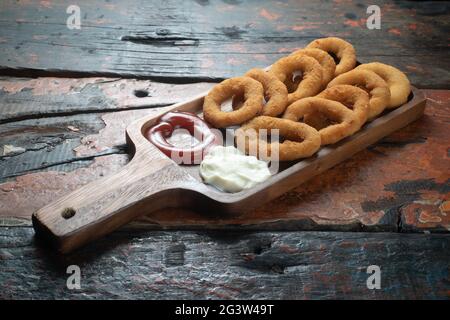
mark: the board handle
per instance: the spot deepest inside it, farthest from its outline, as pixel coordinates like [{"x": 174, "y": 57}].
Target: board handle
[{"x": 96, "y": 209}]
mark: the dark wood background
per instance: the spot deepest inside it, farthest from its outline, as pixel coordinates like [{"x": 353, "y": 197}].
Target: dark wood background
[
  {"x": 67, "y": 95},
  {"x": 199, "y": 40}
]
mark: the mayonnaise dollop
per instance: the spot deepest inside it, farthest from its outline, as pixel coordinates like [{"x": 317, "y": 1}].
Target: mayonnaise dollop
[{"x": 228, "y": 169}]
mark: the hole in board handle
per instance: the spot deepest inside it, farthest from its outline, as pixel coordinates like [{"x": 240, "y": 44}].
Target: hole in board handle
[{"x": 68, "y": 213}]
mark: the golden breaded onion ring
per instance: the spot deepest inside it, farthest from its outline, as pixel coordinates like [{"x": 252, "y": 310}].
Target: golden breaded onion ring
[
  {"x": 379, "y": 94},
  {"x": 333, "y": 110},
  {"x": 343, "y": 50},
  {"x": 350, "y": 96},
  {"x": 311, "y": 82},
  {"x": 397, "y": 81},
  {"x": 301, "y": 140},
  {"x": 324, "y": 59},
  {"x": 274, "y": 91},
  {"x": 252, "y": 91}
]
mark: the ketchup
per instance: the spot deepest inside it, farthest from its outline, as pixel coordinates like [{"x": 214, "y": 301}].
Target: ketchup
[{"x": 170, "y": 121}]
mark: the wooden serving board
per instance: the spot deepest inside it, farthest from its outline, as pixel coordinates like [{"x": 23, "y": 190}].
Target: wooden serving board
[{"x": 152, "y": 181}]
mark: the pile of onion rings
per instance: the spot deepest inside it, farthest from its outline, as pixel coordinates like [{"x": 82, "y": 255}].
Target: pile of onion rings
[
  {"x": 340, "y": 48},
  {"x": 345, "y": 119},
  {"x": 375, "y": 85},
  {"x": 253, "y": 93},
  {"x": 275, "y": 92},
  {"x": 312, "y": 71},
  {"x": 302, "y": 141},
  {"x": 324, "y": 59},
  {"x": 397, "y": 81},
  {"x": 315, "y": 96}
]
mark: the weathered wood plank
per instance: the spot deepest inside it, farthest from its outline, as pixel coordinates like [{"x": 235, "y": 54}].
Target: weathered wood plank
[
  {"x": 151, "y": 182},
  {"x": 42, "y": 144},
  {"x": 212, "y": 40},
  {"x": 60, "y": 112},
  {"x": 24, "y": 98},
  {"x": 135, "y": 263},
  {"x": 400, "y": 184}
]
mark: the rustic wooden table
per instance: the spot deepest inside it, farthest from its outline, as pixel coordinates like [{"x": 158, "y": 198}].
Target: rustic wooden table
[{"x": 66, "y": 96}]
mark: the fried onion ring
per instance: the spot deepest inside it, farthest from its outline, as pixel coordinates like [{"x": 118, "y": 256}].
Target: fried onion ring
[
  {"x": 333, "y": 110},
  {"x": 343, "y": 50},
  {"x": 323, "y": 58},
  {"x": 275, "y": 92},
  {"x": 397, "y": 81},
  {"x": 252, "y": 91},
  {"x": 301, "y": 140},
  {"x": 377, "y": 88},
  {"x": 350, "y": 96},
  {"x": 312, "y": 75}
]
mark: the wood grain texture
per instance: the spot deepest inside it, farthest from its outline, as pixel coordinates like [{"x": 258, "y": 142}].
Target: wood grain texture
[
  {"x": 25, "y": 98},
  {"x": 43, "y": 144},
  {"x": 135, "y": 263},
  {"x": 152, "y": 181},
  {"x": 379, "y": 189},
  {"x": 211, "y": 40},
  {"x": 50, "y": 123},
  {"x": 401, "y": 184}
]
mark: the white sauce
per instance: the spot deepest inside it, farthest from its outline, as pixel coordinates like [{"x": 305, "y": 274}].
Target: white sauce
[{"x": 230, "y": 170}]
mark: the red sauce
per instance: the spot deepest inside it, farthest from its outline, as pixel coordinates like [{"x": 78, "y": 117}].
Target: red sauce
[{"x": 198, "y": 128}]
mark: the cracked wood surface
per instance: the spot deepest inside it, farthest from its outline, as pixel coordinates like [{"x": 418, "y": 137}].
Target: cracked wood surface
[
  {"x": 210, "y": 40},
  {"x": 399, "y": 184},
  {"x": 57, "y": 134},
  {"x": 135, "y": 263},
  {"x": 43, "y": 120},
  {"x": 25, "y": 98}
]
